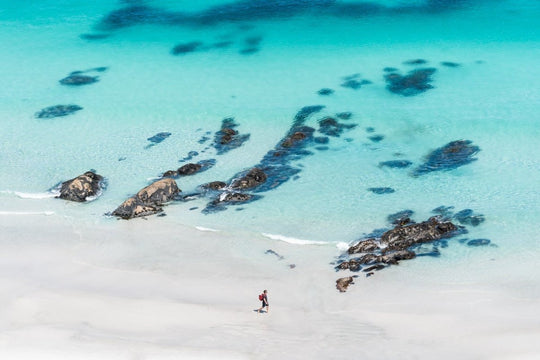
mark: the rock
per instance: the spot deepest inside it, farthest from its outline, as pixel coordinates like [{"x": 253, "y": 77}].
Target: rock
[
  {"x": 291, "y": 140},
  {"x": 415, "y": 62},
  {"x": 467, "y": 217},
  {"x": 374, "y": 268},
  {"x": 402, "y": 237},
  {"x": 376, "y": 138},
  {"x": 170, "y": 173},
  {"x": 227, "y": 138},
  {"x": 363, "y": 246},
  {"x": 325, "y": 91},
  {"x": 234, "y": 197},
  {"x": 82, "y": 187},
  {"x": 414, "y": 83},
  {"x": 189, "y": 169},
  {"x": 395, "y": 164},
  {"x": 352, "y": 265},
  {"x": 346, "y": 115},
  {"x": 394, "y": 257},
  {"x": 272, "y": 252},
  {"x": 382, "y": 190},
  {"x": 450, "y": 64},
  {"x": 159, "y": 137},
  {"x": 478, "y": 242},
  {"x": 331, "y": 127},
  {"x": 79, "y": 80},
  {"x": 94, "y": 36},
  {"x": 450, "y": 156},
  {"x": 57, "y": 110},
  {"x": 343, "y": 283},
  {"x": 251, "y": 179},
  {"x": 215, "y": 185},
  {"x": 321, "y": 139},
  {"x": 390, "y": 69},
  {"x": 401, "y": 217},
  {"x": 149, "y": 200},
  {"x": 186, "y": 48},
  {"x": 352, "y": 84}
]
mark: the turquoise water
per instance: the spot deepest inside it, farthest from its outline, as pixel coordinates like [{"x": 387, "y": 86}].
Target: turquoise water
[{"x": 492, "y": 99}]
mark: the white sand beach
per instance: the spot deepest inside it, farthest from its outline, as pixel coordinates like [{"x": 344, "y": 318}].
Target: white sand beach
[{"x": 142, "y": 290}]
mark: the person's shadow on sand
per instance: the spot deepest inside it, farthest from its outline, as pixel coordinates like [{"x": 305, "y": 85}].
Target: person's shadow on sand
[{"x": 262, "y": 311}]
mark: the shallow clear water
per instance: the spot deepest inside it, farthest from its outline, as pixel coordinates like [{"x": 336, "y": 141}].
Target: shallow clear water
[{"x": 492, "y": 98}]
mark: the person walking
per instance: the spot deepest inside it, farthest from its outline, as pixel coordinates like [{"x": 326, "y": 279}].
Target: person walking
[{"x": 264, "y": 299}]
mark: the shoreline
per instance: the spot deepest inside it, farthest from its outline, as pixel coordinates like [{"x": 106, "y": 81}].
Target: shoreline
[{"x": 140, "y": 289}]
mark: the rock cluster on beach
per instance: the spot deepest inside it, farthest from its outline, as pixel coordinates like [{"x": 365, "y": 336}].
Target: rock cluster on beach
[
  {"x": 399, "y": 243},
  {"x": 82, "y": 187},
  {"x": 149, "y": 200}
]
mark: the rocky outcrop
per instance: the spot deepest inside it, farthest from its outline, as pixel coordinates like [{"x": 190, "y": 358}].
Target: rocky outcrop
[
  {"x": 82, "y": 187},
  {"x": 343, "y": 283},
  {"x": 57, "y": 110},
  {"x": 77, "y": 80},
  {"x": 414, "y": 83},
  {"x": 450, "y": 156},
  {"x": 149, "y": 200},
  {"x": 227, "y": 138},
  {"x": 251, "y": 179},
  {"x": 400, "y": 243}
]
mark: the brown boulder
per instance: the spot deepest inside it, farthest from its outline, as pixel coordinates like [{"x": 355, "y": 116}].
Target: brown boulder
[
  {"x": 82, "y": 187},
  {"x": 343, "y": 283},
  {"x": 253, "y": 178}
]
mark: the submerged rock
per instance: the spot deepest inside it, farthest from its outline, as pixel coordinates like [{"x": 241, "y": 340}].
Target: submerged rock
[
  {"x": 343, "y": 283},
  {"x": 159, "y": 137},
  {"x": 77, "y": 80},
  {"x": 189, "y": 169},
  {"x": 478, "y": 242},
  {"x": 149, "y": 200},
  {"x": 82, "y": 187},
  {"x": 468, "y": 217},
  {"x": 325, "y": 91},
  {"x": 57, "y": 110},
  {"x": 450, "y": 64},
  {"x": 381, "y": 190},
  {"x": 186, "y": 48},
  {"x": 395, "y": 164},
  {"x": 415, "y": 62},
  {"x": 414, "y": 83},
  {"x": 331, "y": 127},
  {"x": 401, "y": 217},
  {"x": 228, "y": 138},
  {"x": 214, "y": 185},
  {"x": 450, "y": 156},
  {"x": 251, "y": 179}
]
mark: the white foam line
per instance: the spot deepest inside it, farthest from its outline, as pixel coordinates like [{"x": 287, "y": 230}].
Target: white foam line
[
  {"x": 201, "y": 228},
  {"x": 294, "y": 241},
  {"x": 23, "y": 195},
  {"x": 47, "y": 213}
]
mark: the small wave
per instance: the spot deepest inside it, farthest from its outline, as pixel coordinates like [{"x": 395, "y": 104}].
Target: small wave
[
  {"x": 202, "y": 228},
  {"x": 23, "y": 195},
  {"x": 294, "y": 241},
  {"x": 46, "y": 213}
]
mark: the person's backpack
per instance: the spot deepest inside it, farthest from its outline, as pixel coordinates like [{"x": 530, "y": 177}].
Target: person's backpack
[{"x": 261, "y": 297}]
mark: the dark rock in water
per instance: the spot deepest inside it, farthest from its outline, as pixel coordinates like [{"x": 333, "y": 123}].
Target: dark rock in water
[
  {"x": 159, "y": 137},
  {"x": 94, "y": 36},
  {"x": 234, "y": 197},
  {"x": 467, "y": 217},
  {"x": 186, "y": 48},
  {"x": 374, "y": 268},
  {"x": 414, "y": 83},
  {"x": 249, "y": 51},
  {"x": 395, "y": 164},
  {"x": 331, "y": 127},
  {"x": 272, "y": 252},
  {"x": 189, "y": 169},
  {"x": 343, "y": 283},
  {"x": 363, "y": 246},
  {"x": 228, "y": 138},
  {"x": 57, "y": 110},
  {"x": 325, "y": 91},
  {"x": 415, "y": 62},
  {"x": 302, "y": 115},
  {"x": 321, "y": 148},
  {"x": 390, "y": 69},
  {"x": 100, "y": 69},
  {"x": 321, "y": 139},
  {"x": 250, "y": 180},
  {"x": 149, "y": 200},
  {"x": 443, "y": 211},
  {"x": 352, "y": 84},
  {"x": 450, "y": 64},
  {"x": 382, "y": 190},
  {"x": 393, "y": 258},
  {"x": 346, "y": 115},
  {"x": 215, "y": 185},
  {"x": 77, "y": 80},
  {"x": 402, "y": 237},
  {"x": 376, "y": 138},
  {"x": 82, "y": 187},
  {"x": 451, "y": 156},
  {"x": 370, "y": 129},
  {"x": 293, "y": 139},
  {"x": 478, "y": 242},
  {"x": 399, "y": 217},
  {"x": 170, "y": 173}
]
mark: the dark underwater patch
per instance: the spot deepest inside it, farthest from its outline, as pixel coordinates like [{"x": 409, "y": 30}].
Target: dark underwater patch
[
  {"x": 57, "y": 110},
  {"x": 395, "y": 164},
  {"x": 450, "y": 156},
  {"x": 156, "y": 139},
  {"x": 325, "y": 91},
  {"x": 382, "y": 190},
  {"x": 415, "y": 82},
  {"x": 186, "y": 48},
  {"x": 228, "y": 138}
]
